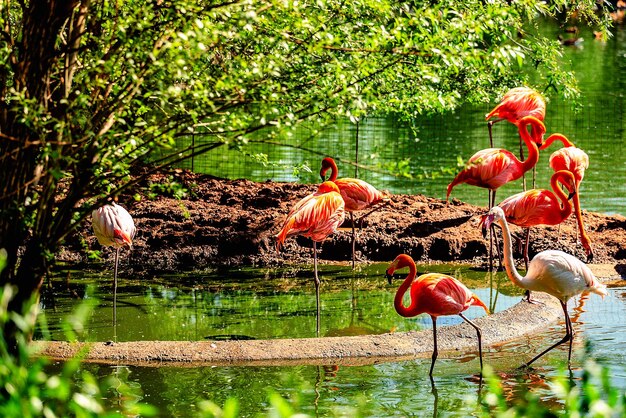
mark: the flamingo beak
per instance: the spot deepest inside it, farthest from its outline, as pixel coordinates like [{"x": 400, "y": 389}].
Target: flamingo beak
[
  {"x": 571, "y": 195},
  {"x": 323, "y": 174},
  {"x": 486, "y": 222},
  {"x": 123, "y": 237},
  {"x": 389, "y": 275}
]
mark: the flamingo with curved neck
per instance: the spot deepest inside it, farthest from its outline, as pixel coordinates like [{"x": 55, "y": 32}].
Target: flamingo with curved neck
[
  {"x": 575, "y": 160},
  {"x": 554, "y": 272},
  {"x": 539, "y": 206},
  {"x": 435, "y": 294},
  {"x": 357, "y": 194},
  {"x": 515, "y": 104},
  {"x": 492, "y": 168}
]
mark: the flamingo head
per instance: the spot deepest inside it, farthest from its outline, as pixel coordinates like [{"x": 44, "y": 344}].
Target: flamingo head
[
  {"x": 568, "y": 180},
  {"x": 327, "y": 164},
  {"x": 401, "y": 261},
  {"x": 494, "y": 215},
  {"x": 122, "y": 238}
]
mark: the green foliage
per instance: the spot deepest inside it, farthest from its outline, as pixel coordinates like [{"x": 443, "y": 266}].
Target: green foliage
[
  {"x": 593, "y": 396},
  {"x": 169, "y": 187},
  {"x": 27, "y": 389}
]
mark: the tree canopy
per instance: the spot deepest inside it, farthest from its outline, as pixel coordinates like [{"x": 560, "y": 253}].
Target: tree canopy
[{"x": 91, "y": 88}]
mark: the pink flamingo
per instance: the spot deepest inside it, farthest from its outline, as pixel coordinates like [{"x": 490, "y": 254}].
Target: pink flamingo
[
  {"x": 316, "y": 216},
  {"x": 516, "y": 104},
  {"x": 357, "y": 194},
  {"x": 435, "y": 294},
  {"x": 539, "y": 206},
  {"x": 113, "y": 226},
  {"x": 554, "y": 272},
  {"x": 576, "y": 161},
  {"x": 491, "y": 168}
]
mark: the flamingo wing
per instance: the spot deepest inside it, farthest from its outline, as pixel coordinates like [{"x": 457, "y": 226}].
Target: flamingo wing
[
  {"x": 532, "y": 207},
  {"x": 444, "y": 295},
  {"x": 316, "y": 216},
  {"x": 572, "y": 159},
  {"x": 562, "y": 275},
  {"x": 113, "y": 225},
  {"x": 519, "y": 102},
  {"x": 489, "y": 168},
  {"x": 358, "y": 194}
]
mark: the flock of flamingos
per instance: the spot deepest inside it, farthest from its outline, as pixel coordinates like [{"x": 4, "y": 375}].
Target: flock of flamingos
[{"x": 318, "y": 215}]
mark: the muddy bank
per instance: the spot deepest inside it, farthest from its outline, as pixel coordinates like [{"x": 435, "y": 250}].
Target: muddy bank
[
  {"x": 224, "y": 222},
  {"x": 233, "y": 222}
]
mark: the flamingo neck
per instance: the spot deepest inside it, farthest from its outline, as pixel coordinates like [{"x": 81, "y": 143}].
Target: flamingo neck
[
  {"x": 584, "y": 238},
  {"x": 557, "y": 137},
  {"x": 509, "y": 263},
  {"x": 411, "y": 310},
  {"x": 333, "y": 170},
  {"x": 533, "y": 151},
  {"x": 566, "y": 207}
]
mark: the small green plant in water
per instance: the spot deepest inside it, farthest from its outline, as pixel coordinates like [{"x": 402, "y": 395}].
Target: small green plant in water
[
  {"x": 27, "y": 389},
  {"x": 593, "y": 396}
]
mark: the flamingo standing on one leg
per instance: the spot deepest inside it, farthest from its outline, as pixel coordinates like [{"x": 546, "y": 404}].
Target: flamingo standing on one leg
[
  {"x": 554, "y": 272},
  {"x": 113, "y": 226},
  {"x": 516, "y": 104},
  {"x": 576, "y": 161},
  {"x": 316, "y": 216},
  {"x": 493, "y": 167},
  {"x": 539, "y": 206},
  {"x": 357, "y": 194},
  {"x": 435, "y": 294}
]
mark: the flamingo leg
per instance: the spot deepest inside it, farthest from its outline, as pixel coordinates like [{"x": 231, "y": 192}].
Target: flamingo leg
[
  {"x": 435, "y": 352},
  {"x": 435, "y": 396},
  {"x": 353, "y": 238},
  {"x": 492, "y": 199},
  {"x": 568, "y": 337},
  {"x": 317, "y": 289},
  {"x": 117, "y": 256},
  {"x": 526, "y": 242},
  {"x": 527, "y": 297},
  {"x": 568, "y": 321},
  {"x": 478, "y": 334}
]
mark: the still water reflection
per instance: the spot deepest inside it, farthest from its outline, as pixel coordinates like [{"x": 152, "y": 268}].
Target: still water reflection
[
  {"x": 247, "y": 303},
  {"x": 280, "y": 303}
]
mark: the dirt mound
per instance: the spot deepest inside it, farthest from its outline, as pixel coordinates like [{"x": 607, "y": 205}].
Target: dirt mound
[{"x": 233, "y": 222}]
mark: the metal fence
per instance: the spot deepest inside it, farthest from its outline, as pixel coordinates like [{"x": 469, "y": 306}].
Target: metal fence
[{"x": 421, "y": 156}]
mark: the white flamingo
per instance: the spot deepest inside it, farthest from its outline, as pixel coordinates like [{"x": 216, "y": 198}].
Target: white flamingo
[
  {"x": 114, "y": 227},
  {"x": 554, "y": 272}
]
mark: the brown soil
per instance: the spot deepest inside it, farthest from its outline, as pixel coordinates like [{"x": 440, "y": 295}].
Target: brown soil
[
  {"x": 233, "y": 222},
  {"x": 225, "y": 222}
]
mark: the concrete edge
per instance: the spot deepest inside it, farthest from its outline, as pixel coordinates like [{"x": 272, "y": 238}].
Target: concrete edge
[{"x": 520, "y": 319}]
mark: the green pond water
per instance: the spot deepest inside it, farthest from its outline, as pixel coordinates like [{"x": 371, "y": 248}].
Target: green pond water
[
  {"x": 599, "y": 128},
  {"x": 280, "y": 303}
]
